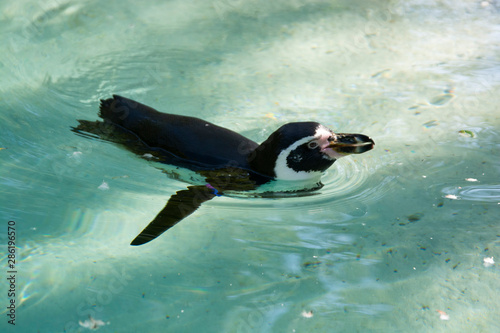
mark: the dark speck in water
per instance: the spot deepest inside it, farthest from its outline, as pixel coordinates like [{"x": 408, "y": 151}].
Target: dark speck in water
[
  {"x": 312, "y": 264},
  {"x": 441, "y": 99},
  {"x": 466, "y": 133},
  {"x": 431, "y": 123},
  {"x": 415, "y": 217}
]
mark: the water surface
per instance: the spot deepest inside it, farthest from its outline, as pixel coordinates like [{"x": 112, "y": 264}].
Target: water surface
[{"x": 394, "y": 236}]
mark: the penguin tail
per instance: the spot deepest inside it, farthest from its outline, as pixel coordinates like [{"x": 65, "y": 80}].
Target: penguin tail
[
  {"x": 92, "y": 129},
  {"x": 126, "y": 112},
  {"x": 116, "y": 109},
  {"x": 109, "y": 132},
  {"x": 115, "y": 112},
  {"x": 105, "y": 131}
]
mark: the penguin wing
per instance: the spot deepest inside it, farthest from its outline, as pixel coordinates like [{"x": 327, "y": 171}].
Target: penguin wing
[
  {"x": 181, "y": 204},
  {"x": 185, "y": 202}
]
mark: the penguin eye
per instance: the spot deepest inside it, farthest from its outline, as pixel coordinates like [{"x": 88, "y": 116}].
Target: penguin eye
[{"x": 312, "y": 145}]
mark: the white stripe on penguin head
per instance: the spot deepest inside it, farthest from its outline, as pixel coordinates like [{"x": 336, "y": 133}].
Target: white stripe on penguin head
[{"x": 284, "y": 172}]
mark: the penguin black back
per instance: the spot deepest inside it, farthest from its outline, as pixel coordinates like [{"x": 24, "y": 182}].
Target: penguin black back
[{"x": 193, "y": 139}]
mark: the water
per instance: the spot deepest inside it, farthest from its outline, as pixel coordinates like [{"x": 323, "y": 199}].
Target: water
[{"x": 394, "y": 236}]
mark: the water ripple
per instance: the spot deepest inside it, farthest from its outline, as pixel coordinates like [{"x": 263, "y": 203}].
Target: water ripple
[
  {"x": 486, "y": 193},
  {"x": 348, "y": 182}
]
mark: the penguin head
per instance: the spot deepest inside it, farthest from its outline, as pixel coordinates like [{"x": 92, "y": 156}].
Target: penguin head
[{"x": 304, "y": 150}]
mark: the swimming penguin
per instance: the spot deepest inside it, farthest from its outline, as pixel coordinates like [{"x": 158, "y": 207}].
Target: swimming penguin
[{"x": 227, "y": 160}]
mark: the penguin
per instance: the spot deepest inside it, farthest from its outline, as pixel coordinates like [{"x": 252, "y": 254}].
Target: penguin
[{"x": 226, "y": 160}]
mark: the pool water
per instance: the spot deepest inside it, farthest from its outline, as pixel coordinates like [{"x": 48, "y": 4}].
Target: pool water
[{"x": 404, "y": 238}]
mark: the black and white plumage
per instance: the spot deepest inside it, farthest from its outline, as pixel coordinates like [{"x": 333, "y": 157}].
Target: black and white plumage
[{"x": 226, "y": 159}]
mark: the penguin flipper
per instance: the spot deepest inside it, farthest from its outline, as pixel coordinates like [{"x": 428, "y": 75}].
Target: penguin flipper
[{"x": 181, "y": 204}]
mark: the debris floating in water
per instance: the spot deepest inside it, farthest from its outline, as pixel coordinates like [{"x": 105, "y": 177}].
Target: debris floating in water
[
  {"x": 147, "y": 156},
  {"x": 383, "y": 73},
  {"x": 431, "y": 123},
  {"x": 116, "y": 177},
  {"x": 441, "y": 99},
  {"x": 92, "y": 324},
  {"x": 443, "y": 315},
  {"x": 471, "y": 179},
  {"x": 104, "y": 186},
  {"x": 270, "y": 116},
  {"x": 415, "y": 217},
  {"x": 307, "y": 314},
  {"x": 466, "y": 133},
  {"x": 488, "y": 261}
]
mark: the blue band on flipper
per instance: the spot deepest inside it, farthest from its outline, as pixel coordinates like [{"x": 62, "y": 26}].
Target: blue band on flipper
[{"x": 214, "y": 190}]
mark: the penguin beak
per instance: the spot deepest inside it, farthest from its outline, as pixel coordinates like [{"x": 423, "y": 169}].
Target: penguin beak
[{"x": 346, "y": 144}]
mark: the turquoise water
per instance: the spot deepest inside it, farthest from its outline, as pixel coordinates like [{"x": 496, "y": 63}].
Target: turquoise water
[{"x": 395, "y": 235}]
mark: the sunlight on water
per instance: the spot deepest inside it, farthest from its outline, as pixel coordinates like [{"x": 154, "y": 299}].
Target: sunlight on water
[{"x": 402, "y": 238}]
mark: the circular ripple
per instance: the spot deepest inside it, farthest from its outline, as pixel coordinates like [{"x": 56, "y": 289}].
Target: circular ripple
[
  {"x": 347, "y": 181},
  {"x": 486, "y": 193}
]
